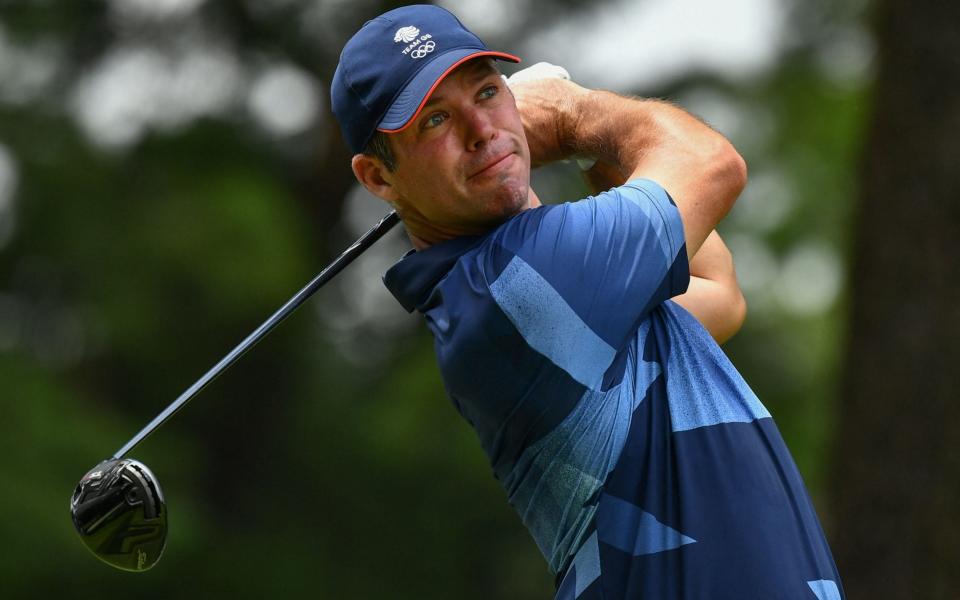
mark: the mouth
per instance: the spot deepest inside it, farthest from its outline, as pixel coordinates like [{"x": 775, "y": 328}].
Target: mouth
[{"x": 493, "y": 167}]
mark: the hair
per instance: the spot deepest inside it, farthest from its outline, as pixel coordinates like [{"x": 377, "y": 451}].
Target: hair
[{"x": 379, "y": 146}]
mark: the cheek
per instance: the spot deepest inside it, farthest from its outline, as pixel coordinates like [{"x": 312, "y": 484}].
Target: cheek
[
  {"x": 432, "y": 165},
  {"x": 509, "y": 117},
  {"x": 427, "y": 180},
  {"x": 442, "y": 151}
]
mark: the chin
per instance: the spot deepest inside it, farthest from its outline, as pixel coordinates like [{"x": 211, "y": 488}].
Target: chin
[
  {"x": 515, "y": 193},
  {"x": 510, "y": 202}
]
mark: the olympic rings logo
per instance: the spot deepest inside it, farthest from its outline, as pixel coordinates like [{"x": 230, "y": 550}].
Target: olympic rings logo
[{"x": 423, "y": 49}]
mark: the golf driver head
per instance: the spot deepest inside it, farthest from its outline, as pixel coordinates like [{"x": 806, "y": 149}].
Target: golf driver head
[{"x": 119, "y": 512}]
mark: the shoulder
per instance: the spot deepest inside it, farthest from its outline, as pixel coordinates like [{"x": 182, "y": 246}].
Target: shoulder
[
  {"x": 554, "y": 239},
  {"x": 622, "y": 210}
]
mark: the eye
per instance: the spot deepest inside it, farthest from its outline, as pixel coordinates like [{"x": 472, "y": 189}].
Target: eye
[
  {"x": 433, "y": 120},
  {"x": 489, "y": 92}
]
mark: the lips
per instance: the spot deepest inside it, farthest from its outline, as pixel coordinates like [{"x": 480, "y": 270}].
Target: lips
[{"x": 493, "y": 166}]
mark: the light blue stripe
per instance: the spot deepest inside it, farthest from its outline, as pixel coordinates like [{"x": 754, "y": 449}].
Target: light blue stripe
[
  {"x": 628, "y": 527},
  {"x": 554, "y": 483},
  {"x": 703, "y": 386},
  {"x": 549, "y": 325},
  {"x": 692, "y": 407},
  {"x": 825, "y": 589},
  {"x": 587, "y": 564}
]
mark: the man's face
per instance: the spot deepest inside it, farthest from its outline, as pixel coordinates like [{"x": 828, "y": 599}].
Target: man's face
[{"x": 463, "y": 165}]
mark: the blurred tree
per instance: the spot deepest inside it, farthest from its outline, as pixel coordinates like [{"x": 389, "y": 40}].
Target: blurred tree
[{"x": 896, "y": 488}]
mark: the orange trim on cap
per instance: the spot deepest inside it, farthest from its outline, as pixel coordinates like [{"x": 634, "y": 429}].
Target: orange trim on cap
[{"x": 443, "y": 75}]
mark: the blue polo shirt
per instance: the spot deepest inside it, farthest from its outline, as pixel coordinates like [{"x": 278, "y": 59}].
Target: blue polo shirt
[{"x": 629, "y": 445}]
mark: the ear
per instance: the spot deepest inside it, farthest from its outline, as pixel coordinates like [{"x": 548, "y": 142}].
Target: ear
[{"x": 374, "y": 176}]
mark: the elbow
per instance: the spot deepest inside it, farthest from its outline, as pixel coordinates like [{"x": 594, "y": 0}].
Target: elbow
[
  {"x": 736, "y": 171},
  {"x": 728, "y": 173}
]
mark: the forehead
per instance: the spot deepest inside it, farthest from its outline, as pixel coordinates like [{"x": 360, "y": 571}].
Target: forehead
[
  {"x": 470, "y": 71},
  {"x": 481, "y": 67}
]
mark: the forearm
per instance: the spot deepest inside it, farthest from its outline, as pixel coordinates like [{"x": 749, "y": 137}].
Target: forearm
[
  {"x": 622, "y": 131},
  {"x": 637, "y": 138},
  {"x": 714, "y": 297},
  {"x": 654, "y": 139},
  {"x": 630, "y": 133}
]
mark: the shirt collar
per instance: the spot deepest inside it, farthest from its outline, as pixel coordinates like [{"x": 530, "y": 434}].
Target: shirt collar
[{"x": 415, "y": 275}]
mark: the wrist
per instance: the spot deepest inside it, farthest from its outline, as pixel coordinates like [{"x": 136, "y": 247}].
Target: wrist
[{"x": 573, "y": 123}]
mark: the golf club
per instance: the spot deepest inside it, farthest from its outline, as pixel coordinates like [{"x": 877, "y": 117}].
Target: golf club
[{"x": 118, "y": 507}]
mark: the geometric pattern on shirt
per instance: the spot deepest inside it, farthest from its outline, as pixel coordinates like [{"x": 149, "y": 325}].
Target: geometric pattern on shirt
[
  {"x": 628, "y": 528},
  {"x": 549, "y": 325},
  {"x": 552, "y": 482},
  {"x": 705, "y": 392},
  {"x": 825, "y": 589}
]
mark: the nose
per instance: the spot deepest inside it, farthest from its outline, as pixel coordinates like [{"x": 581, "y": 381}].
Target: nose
[{"x": 479, "y": 129}]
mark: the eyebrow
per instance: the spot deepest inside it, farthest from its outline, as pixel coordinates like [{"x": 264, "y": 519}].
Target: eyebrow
[
  {"x": 486, "y": 69},
  {"x": 477, "y": 74}
]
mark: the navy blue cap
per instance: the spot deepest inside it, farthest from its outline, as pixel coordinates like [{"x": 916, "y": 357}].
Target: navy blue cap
[{"x": 389, "y": 68}]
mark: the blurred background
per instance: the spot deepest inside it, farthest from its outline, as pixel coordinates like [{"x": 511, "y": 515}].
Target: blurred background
[{"x": 170, "y": 173}]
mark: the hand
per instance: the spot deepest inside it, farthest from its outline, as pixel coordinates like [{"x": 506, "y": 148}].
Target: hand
[{"x": 546, "y": 98}]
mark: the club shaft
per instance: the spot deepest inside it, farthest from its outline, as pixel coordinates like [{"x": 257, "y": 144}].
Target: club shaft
[{"x": 355, "y": 250}]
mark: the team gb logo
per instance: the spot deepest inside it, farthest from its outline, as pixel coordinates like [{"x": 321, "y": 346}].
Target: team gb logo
[{"x": 406, "y": 34}]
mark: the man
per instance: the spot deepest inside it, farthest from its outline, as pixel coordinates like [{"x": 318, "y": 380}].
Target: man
[{"x": 641, "y": 462}]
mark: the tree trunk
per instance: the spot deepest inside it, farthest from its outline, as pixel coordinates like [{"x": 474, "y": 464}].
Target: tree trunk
[{"x": 896, "y": 489}]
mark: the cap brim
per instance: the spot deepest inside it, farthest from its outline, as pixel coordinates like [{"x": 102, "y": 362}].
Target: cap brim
[{"x": 409, "y": 102}]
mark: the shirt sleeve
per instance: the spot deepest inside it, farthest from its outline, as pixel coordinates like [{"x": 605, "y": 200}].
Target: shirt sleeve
[{"x": 601, "y": 263}]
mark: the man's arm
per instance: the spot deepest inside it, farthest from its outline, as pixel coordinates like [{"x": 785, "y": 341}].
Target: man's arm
[
  {"x": 700, "y": 169},
  {"x": 713, "y": 296}
]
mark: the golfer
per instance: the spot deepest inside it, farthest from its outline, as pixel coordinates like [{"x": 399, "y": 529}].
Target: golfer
[{"x": 580, "y": 340}]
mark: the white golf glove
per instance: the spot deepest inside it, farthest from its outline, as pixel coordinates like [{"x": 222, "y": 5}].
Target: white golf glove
[{"x": 541, "y": 70}]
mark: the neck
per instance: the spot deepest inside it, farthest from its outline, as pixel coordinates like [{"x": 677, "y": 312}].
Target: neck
[{"x": 424, "y": 234}]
